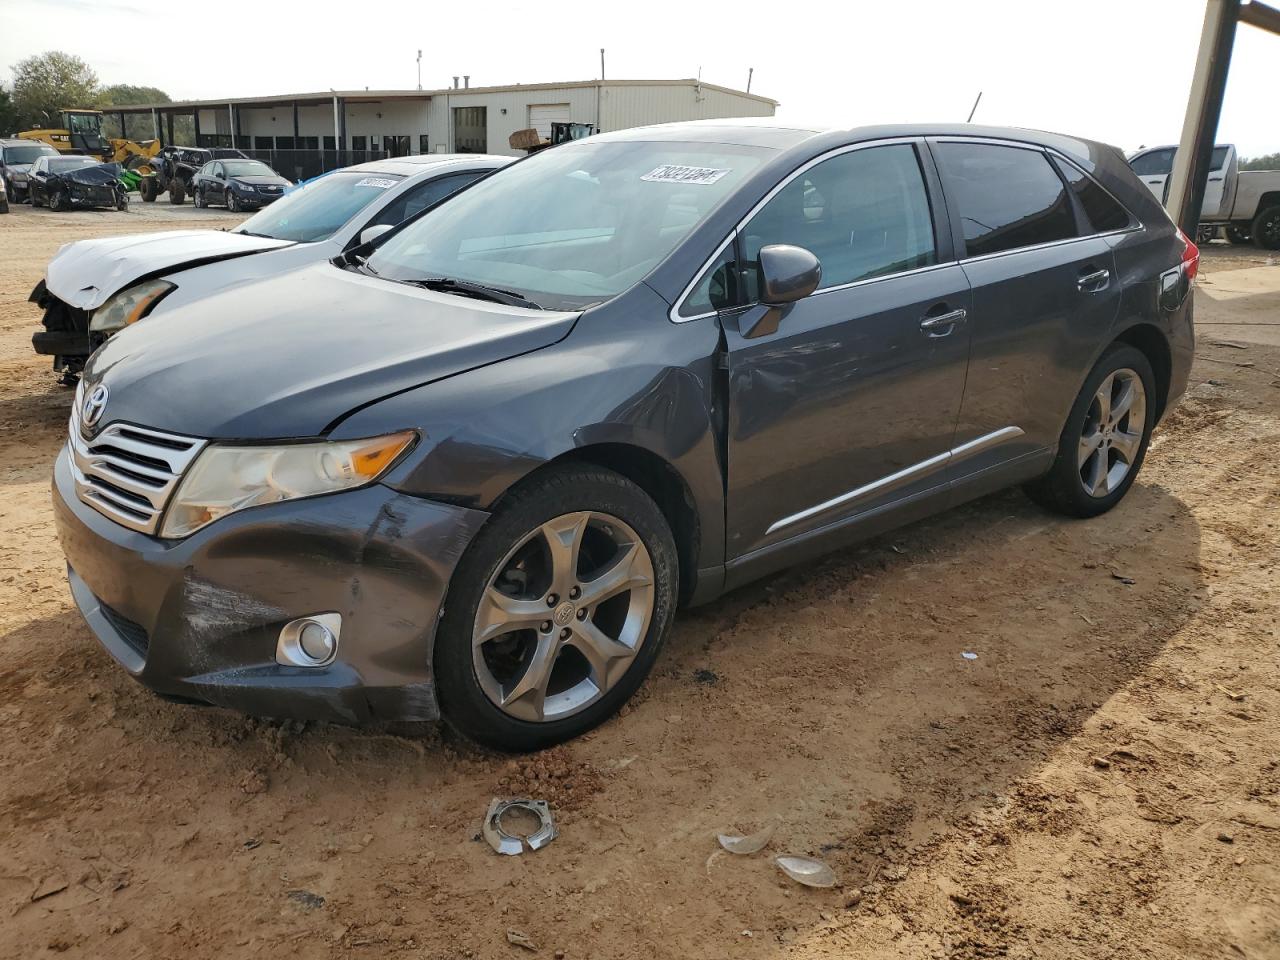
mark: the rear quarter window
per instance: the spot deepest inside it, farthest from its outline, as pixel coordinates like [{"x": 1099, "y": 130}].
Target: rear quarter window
[{"x": 1103, "y": 211}]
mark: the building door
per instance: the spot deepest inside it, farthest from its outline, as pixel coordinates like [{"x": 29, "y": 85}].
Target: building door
[
  {"x": 396, "y": 145},
  {"x": 470, "y": 129},
  {"x": 543, "y": 115}
]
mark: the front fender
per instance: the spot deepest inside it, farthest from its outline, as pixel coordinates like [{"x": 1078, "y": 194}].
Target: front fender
[{"x": 625, "y": 376}]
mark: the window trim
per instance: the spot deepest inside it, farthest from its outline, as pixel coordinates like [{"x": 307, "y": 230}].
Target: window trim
[
  {"x": 918, "y": 142},
  {"x": 1133, "y": 218}
]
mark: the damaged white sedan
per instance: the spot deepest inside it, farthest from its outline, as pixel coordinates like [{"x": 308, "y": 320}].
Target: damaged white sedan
[{"x": 93, "y": 288}]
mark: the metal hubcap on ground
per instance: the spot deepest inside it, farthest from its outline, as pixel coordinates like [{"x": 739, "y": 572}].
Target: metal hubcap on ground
[
  {"x": 564, "y": 616},
  {"x": 1112, "y": 433}
]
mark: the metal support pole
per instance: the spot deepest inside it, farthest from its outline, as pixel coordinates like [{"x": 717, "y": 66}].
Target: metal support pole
[
  {"x": 155, "y": 123},
  {"x": 296, "y": 131},
  {"x": 231, "y": 117},
  {"x": 169, "y": 125},
  {"x": 1204, "y": 107},
  {"x": 195, "y": 123}
]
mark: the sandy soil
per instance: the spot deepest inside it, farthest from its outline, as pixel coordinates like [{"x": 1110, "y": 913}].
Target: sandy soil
[{"x": 1102, "y": 781}]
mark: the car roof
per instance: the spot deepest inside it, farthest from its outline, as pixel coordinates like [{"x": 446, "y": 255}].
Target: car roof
[
  {"x": 784, "y": 134},
  {"x": 22, "y": 142},
  {"x": 419, "y": 163}
]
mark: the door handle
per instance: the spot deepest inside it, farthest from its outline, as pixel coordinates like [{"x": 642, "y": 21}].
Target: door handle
[
  {"x": 943, "y": 323},
  {"x": 1094, "y": 281}
]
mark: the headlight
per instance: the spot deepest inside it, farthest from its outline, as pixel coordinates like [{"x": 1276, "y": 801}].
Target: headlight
[
  {"x": 246, "y": 187},
  {"x": 129, "y": 306},
  {"x": 225, "y": 479},
  {"x": 19, "y": 177}
]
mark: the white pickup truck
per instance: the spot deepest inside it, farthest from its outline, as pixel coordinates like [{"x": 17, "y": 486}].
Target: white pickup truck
[{"x": 1244, "y": 203}]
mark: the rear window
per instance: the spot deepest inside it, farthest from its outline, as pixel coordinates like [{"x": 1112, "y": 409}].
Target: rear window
[
  {"x": 1007, "y": 197},
  {"x": 1103, "y": 211}
]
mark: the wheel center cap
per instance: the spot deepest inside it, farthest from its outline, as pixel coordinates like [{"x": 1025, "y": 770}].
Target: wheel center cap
[{"x": 564, "y": 614}]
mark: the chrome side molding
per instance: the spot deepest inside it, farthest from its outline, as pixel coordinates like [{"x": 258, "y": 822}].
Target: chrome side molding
[{"x": 903, "y": 476}]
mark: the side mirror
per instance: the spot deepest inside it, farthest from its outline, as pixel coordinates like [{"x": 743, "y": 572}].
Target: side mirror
[
  {"x": 369, "y": 234},
  {"x": 787, "y": 273},
  {"x": 220, "y": 175}
]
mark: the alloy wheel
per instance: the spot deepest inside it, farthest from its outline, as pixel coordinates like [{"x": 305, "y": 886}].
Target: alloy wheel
[
  {"x": 1112, "y": 433},
  {"x": 564, "y": 616},
  {"x": 1267, "y": 231}
]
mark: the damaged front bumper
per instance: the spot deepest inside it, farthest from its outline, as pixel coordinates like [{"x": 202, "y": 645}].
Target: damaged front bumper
[{"x": 199, "y": 619}]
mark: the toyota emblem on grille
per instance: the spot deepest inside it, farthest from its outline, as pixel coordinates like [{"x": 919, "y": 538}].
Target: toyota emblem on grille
[{"x": 94, "y": 404}]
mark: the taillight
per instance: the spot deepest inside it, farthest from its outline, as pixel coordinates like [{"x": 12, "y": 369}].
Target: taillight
[{"x": 1190, "y": 257}]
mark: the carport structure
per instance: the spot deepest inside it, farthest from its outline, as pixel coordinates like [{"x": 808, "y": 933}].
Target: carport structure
[{"x": 1204, "y": 106}]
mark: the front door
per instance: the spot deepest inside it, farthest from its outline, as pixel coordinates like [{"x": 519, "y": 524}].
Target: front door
[
  {"x": 1045, "y": 293},
  {"x": 851, "y": 403}
]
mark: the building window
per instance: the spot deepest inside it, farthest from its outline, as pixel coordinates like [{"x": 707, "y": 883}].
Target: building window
[
  {"x": 470, "y": 129},
  {"x": 423, "y": 146},
  {"x": 308, "y": 143},
  {"x": 396, "y": 145},
  {"x": 359, "y": 143},
  {"x": 262, "y": 143},
  {"x": 284, "y": 143},
  {"x": 330, "y": 143}
]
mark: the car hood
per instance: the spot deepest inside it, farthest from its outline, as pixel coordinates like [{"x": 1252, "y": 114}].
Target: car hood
[
  {"x": 261, "y": 181},
  {"x": 290, "y": 356},
  {"x": 85, "y": 273},
  {"x": 18, "y": 168}
]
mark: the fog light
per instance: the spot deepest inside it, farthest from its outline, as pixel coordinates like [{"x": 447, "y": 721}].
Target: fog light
[{"x": 309, "y": 641}]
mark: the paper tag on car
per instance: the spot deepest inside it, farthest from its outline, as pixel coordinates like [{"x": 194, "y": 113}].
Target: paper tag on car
[
  {"x": 674, "y": 173},
  {"x": 382, "y": 183}
]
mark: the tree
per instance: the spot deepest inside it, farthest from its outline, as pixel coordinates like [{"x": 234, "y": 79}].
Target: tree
[
  {"x": 8, "y": 115},
  {"x": 45, "y": 84},
  {"x": 1270, "y": 161}
]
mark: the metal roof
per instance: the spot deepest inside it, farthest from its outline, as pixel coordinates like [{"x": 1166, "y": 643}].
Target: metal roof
[{"x": 376, "y": 96}]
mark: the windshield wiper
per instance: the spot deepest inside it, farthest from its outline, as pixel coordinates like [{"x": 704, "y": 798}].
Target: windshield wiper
[
  {"x": 469, "y": 288},
  {"x": 250, "y": 233}
]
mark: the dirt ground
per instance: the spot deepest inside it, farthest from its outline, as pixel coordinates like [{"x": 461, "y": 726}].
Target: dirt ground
[{"x": 1103, "y": 780}]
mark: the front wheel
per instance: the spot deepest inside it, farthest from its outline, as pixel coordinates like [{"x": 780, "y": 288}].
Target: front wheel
[
  {"x": 58, "y": 201},
  {"x": 1266, "y": 228},
  {"x": 1105, "y": 438},
  {"x": 557, "y": 611},
  {"x": 233, "y": 205},
  {"x": 177, "y": 192},
  {"x": 122, "y": 201},
  {"x": 197, "y": 198}
]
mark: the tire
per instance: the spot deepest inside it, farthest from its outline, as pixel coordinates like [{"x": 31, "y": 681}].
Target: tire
[
  {"x": 1266, "y": 228},
  {"x": 626, "y": 536},
  {"x": 233, "y": 205},
  {"x": 122, "y": 202},
  {"x": 4, "y": 205},
  {"x": 1065, "y": 488},
  {"x": 58, "y": 201},
  {"x": 148, "y": 189},
  {"x": 197, "y": 198},
  {"x": 177, "y": 192},
  {"x": 1206, "y": 234},
  {"x": 1239, "y": 235}
]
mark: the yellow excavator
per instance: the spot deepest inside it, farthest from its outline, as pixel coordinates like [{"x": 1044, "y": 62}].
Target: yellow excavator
[{"x": 81, "y": 133}]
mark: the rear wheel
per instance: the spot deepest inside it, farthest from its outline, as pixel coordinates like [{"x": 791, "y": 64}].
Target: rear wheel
[
  {"x": 1239, "y": 235},
  {"x": 1105, "y": 438},
  {"x": 1266, "y": 228},
  {"x": 557, "y": 611}
]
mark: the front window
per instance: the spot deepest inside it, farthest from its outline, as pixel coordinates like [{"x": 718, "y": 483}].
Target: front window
[
  {"x": 247, "y": 168},
  {"x": 316, "y": 210},
  {"x": 572, "y": 226},
  {"x": 26, "y": 154},
  {"x": 90, "y": 123}
]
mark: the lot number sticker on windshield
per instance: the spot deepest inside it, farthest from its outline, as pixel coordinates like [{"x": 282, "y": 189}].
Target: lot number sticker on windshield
[
  {"x": 382, "y": 183},
  {"x": 674, "y": 173}
]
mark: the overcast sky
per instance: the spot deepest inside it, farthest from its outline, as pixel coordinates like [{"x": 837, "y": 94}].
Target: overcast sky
[{"x": 1113, "y": 70}]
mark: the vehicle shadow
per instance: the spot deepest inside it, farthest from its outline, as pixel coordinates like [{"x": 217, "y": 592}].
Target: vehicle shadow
[{"x": 833, "y": 699}]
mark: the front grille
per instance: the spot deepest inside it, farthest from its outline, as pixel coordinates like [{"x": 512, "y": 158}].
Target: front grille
[
  {"x": 128, "y": 473},
  {"x": 131, "y": 633}
]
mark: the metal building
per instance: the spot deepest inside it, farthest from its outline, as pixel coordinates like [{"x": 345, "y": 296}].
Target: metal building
[{"x": 305, "y": 133}]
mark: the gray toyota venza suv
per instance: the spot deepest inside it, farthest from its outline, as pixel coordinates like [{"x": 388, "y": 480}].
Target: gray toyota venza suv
[{"x": 473, "y": 467}]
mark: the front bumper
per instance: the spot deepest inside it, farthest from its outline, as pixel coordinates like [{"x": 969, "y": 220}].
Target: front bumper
[{"x": 198, "y": 618}]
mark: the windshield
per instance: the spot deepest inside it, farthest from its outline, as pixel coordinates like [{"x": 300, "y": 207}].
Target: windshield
[
  {"x": 63, "y": 164},
  {"x": 247, "y": 168},
  {"x": 315, "y": 211},
  {"x": 571, "y": 226},
  {"x": 28, "y": 154}
]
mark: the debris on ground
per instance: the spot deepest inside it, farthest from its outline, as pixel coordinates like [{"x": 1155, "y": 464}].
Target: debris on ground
[
  {"x": 751, "y": 843},
  {"x": 969, "y": 655},
  {"x": 500, "y": 837},
  {"x": 521, "y": 940},
  {"x": 808, "y": 871},
  {"x": 306, "y": 899}
]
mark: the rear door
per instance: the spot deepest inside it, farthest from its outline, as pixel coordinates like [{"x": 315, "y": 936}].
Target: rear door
[
  {"x": 849, "y": 404},
  {"x": 1153, "y": 168},
  {"x": 1044, "y": 296}
]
